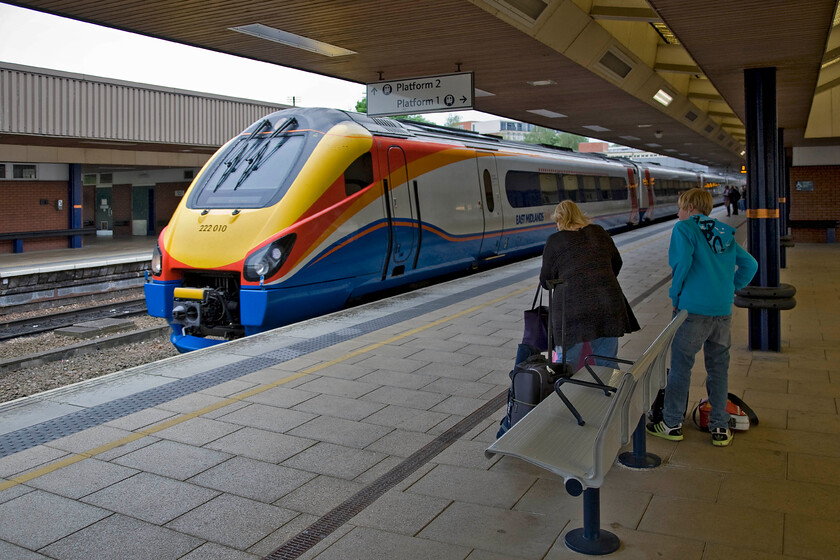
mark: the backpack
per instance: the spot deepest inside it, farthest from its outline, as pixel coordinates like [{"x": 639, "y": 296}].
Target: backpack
[{"x": 741, "y": 416}]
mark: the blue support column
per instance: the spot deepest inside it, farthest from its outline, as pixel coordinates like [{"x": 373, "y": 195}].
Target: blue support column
[
  {"x": 763, "y": 193},
  {"x": 74, "y": 204},
  {"x": 591, "y": 539},
  {"x": 783, "y": 198},
  {"x": 639, "y": 458}
]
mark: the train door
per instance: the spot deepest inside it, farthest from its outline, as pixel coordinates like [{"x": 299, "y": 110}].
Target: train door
[
  {"x": 490, "y": 203},
  {"x": 633, "y": 194},
  {"x": 647, "y": 212},
  {"x": 402, "y": 209}
]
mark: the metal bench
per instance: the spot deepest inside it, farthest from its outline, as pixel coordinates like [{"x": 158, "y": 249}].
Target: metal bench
[{"x": 577, "y": 432}]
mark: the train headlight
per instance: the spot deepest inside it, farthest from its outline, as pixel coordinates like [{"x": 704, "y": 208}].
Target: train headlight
[
  {"x": 157, "y": 261},
  {"x": 266, "y": 261}
]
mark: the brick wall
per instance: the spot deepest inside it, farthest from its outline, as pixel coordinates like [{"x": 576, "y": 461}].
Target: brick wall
[
  {"x": 23, "y": 199},
  {"x": 121, "y": 209},
  {"x": 24, "y": 212},
  {"x": 823, "y": 203},
  {"x": 166, "y": 202}
]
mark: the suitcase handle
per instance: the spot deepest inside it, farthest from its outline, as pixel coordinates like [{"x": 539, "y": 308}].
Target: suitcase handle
[{"x": 552, "y": 286}]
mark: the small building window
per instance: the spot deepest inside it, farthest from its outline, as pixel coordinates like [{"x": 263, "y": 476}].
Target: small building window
[
  {"x": 23, "y": 172},
  {"x": 2, "y": 171}
]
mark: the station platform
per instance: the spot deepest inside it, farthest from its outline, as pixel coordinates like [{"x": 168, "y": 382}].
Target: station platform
[
  {"x": 97, "y": 252},
  {"x": 361, "y": 435}
]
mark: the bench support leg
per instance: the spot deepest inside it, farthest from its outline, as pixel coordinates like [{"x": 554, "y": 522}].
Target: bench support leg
[
  {"x": 591, "y": 539},
  {"x": 639, "y": 458}
]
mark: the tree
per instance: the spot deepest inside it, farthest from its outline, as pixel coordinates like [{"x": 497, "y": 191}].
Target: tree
[
  {"x": 569, "y": 140},
  {"x": 453, "y": 120},
  {"x": 361, "y": 105},
  {"x": 540, "y": 135}
]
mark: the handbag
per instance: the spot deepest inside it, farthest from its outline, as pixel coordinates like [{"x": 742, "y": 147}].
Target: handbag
[{"x": 536, "y": 324}]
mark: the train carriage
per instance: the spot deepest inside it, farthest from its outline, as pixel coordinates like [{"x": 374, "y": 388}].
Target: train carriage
[{"x": 310, "y": 208}]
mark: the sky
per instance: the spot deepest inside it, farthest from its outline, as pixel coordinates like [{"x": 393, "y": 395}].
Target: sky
[{"x": 36, "y": 39}]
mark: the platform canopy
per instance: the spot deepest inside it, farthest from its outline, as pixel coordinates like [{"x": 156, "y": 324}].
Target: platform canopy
[{"x": 664, "y": 76}]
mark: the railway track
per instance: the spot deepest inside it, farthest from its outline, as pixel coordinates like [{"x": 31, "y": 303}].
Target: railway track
[{"x": 50, "y": 321}]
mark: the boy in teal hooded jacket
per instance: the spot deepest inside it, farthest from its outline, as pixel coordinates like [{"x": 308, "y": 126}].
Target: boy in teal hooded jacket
[{"x": 707, "y": 266}]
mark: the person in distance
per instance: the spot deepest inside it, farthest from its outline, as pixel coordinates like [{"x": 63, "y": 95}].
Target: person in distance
[
  {"x": 707, "y": 266},
  {"x": 583, "y": 255}
]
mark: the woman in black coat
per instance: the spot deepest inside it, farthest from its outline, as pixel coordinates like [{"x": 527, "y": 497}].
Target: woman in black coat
[{"x": 584, "y": 256}]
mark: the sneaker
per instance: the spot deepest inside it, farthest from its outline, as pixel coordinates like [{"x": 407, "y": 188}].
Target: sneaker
[
  {"x": 722, "y": 437},
  {"x": 663, "y": 430}
]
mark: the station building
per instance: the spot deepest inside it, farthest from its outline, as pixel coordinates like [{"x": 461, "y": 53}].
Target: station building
[{"x": 83, "y": 155}]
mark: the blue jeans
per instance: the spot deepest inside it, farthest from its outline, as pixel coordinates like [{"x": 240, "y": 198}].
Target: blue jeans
[
  {"x": 712, "y": 335},
  {"x": 606, "y": 346}
]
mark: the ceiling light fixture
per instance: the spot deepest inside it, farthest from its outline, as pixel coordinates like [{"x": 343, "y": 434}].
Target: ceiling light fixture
[
  {"x": 538, "y": 83},
  {"x": 482, "y": 93},
  {"x": 663, "y": 97},
  {"x": 596, "y": 128},
  {"x": 290, "y": 39},
  {"x": 546, "y": 113}
]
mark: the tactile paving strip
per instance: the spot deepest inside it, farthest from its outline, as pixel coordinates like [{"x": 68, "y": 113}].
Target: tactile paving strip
[{"x": 69, "y": 424}]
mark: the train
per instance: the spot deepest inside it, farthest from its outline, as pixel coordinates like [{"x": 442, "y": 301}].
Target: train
[{"x": 308, "y": 209}]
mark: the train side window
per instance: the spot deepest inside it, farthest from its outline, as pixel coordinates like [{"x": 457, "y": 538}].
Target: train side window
[
  {"x": 619, "y": 188},
  {"x": 590, "y": 189},
  {"x": 548, "y": 189},
  {"x": 570, "y": 187},
  {"x": 522, "y": 188},
  {"x": 488, "y": 191},
  {"x": 604, "y": 192},
  {"x": 359, "y": 174}
]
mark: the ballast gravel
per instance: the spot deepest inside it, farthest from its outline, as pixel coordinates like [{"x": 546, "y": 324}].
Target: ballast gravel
[{"x": 33, "y": 380}]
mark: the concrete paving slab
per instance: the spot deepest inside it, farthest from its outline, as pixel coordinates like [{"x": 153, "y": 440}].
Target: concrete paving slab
[
  {"x": 172, "y": 459},
  {"x": 82, "y": 478},
  {"x": 151, "y": 498},
  {"x": 232, "y": 521},
  {"x": 334, "y": 460},
  {"x": 320, "y": 495},
  {"x": 374, "y": 544},
  {"x": 340, "y": 431},
  {"x": 523, "y": 535},
  {"x": 107, "y": 540},
  {"x": 262, "y": 445},
  {"x": 256, "y": 480},
  {"x": 54, "y": 516}
]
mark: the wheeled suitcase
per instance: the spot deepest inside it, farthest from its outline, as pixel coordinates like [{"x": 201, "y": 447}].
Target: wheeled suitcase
[{"x": 533, "y": 379}]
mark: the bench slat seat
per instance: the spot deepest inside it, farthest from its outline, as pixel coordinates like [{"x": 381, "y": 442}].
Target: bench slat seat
[{"x": 552, "y": 439}]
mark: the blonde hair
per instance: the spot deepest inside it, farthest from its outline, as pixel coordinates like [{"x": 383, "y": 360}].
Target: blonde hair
[
  {"x": 701, "y": 199},
  {"x": 568, "y": 216}
]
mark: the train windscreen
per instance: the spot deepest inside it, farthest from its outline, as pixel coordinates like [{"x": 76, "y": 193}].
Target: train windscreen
[{"x": 254, "y": 170}]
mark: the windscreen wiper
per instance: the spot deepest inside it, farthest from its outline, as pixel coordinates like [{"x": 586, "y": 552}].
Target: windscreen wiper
[
  {"x": 233, "y": 163},
  {"x": 255, "y": 161}
]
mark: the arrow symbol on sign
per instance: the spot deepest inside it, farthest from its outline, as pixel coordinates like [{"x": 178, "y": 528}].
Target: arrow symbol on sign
[
  {"x": 373, "y": 91},
  {"x": 463, "y": 99}
]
